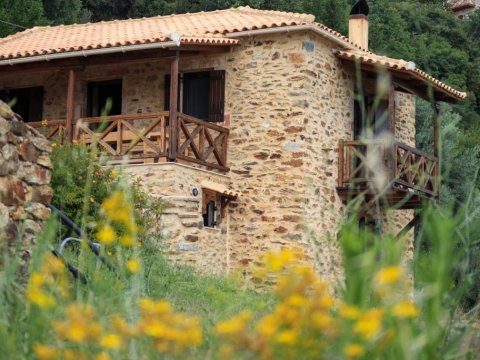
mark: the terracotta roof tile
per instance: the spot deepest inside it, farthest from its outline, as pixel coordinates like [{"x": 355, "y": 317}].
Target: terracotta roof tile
[
  {"x": 368, "y": 58},
  {"x": 457, "y": 5},
  {"x": 210, "y": 28},
  {"x": 202, "y": 27}
]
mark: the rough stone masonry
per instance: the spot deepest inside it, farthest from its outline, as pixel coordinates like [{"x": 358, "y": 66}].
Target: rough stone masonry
[{"x": 25, "y": 172}]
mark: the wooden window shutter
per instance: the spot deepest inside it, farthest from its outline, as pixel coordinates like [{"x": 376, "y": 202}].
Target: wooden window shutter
[{"x": 216, "y": 96}]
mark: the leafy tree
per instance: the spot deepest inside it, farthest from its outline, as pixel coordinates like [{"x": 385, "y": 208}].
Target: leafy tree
[
  {"x": 65, "y": 11},
  {"x": 24, "y": 13}
]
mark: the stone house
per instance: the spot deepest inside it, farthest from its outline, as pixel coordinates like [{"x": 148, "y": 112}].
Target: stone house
[
  {"x": 250, "y": 124},
  {"x": 462, "y": 8}
]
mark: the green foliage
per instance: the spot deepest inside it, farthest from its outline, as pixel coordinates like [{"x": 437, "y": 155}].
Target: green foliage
[
  {"x": 78, "y": 182},
  {"x": 25, "y": 13},
  {"x": 81, "y": 184},
  {"x": 65, "y": 11}
]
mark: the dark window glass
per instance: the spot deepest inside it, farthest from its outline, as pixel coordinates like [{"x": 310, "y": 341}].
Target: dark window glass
[
  {"x": 99, "y": 92},
  {"x": 28, "y": 102},
  {"x": 209, "y": 216}
]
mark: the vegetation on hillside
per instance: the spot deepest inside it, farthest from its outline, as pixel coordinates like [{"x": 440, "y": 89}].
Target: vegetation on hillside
[{"x": 153, "y": 309}]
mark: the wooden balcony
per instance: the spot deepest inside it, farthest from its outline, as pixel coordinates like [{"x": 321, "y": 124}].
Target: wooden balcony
[
  {"x": 146, "y": 138},
  {"x": 390, "y": 175}
]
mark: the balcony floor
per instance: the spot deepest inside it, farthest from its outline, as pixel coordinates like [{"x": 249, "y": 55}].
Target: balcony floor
[{"x": 394, "y": 198}]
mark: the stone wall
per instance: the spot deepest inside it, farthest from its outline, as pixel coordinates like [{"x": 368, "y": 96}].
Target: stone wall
[
  {"x": 25, "y": 171},
  {"x": 405, "y": 112},
  {"x": 184, "y": 238}
]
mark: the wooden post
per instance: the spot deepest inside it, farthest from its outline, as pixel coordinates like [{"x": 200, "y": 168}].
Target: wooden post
[
  {"x": 391, "y": 129},
  {"x": 340, "y": 163},
  {"x": 70, "y": 105},
  {"x": 437, "y": 146},
  {"x": 173, "y": 146}
]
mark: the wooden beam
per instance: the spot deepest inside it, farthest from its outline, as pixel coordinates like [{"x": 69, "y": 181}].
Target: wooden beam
[
  {"x": 173, "y": 118},
  {"x": 391, "y": 161},
  {"x": 70, "y": 104},
  {"x": 414, "y": 222},
  {"x": 437, "y": 146}
]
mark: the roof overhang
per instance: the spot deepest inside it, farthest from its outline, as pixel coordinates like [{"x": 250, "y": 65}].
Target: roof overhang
[
  {"x": 122, "y": 49},
  {"x": 404, "y": 74}
]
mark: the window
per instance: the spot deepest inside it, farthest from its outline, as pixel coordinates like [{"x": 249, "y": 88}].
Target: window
[
  {"x": 200, "y": 94},
  {"x": 98, "y": 93},
  {"x": 209, "y": 208},
  {"x": 370, "y": 113},
  {"x": 28, "y": 102}
]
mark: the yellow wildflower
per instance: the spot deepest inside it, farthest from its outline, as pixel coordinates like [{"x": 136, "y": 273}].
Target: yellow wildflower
[
  {"x": 388, "y": 275},
  {"x": 287, "y": 337},
  {"x": 91, "y": 199},
  {"x": 405, "y": 309},
  {"x": 69, "y": 354},
  {"x": 80, "y": 325},
  {"x": 350, "y": 312},
  {"x": 76, "y": 333},
  {"x": 369, "y": 324},
  {"x": 267, "y": 326},
  {"x": 326, "y": 302},
  {"x": 120, "y": 325},
  {"x": 234, "y": 325},
  {"x": 117, "y": 208},
  {"x": 323, "y": 321},
  {"x": 160, "y": 307},
  {"x": 259, "y": 272},
  {"x": 126, "y": 240},
  {"x": 276, "y": 261},
  {"x": 103, "y": 356},
  {"x": 113, "y": 174},
  {"x": 133, "y": 265},
  {"x": 54, "y": 145},
  {"x": 296, "y": 300},
  {"x": 40, "y": 298},
  {"x": 45, "y": 352},
  {"x": 354, "y": 351},
  {"x": 111, "y": 341},
  {"x": 53, "y": 264},
  {"x": 106, "y": 235},
  {"x": 37, "y": 280}
]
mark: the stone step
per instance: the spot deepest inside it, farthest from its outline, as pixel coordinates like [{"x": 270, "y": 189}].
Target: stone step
[
  {"x": 189, "y": 215},
  {"x": 191, "y": 223}
]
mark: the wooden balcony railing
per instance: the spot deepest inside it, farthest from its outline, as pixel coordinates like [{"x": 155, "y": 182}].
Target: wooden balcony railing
[
  {"x": 53, "y": 130},
  {"x": 146, "y": 137},
  {"x": 202, "y": 142},
  {"x": 406, "y": 168},
  {"x": 139, "y": 136}
]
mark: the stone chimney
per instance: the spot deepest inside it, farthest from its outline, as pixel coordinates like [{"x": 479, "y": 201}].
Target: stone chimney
[{"x": 358, "y": 24}]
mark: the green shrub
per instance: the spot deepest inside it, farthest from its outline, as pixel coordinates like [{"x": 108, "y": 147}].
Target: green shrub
[{"x": 81, "y": 182}]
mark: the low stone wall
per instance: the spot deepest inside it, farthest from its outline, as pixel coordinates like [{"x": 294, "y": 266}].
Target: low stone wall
[
  {"x": 25, "y": 171},
  {"x": 184, "y": 238}
]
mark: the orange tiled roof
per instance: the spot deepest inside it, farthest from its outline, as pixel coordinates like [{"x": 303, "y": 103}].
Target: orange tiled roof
[
  {"x": 210, "y": 28},
  {"x": 457, "y": 5},
  {"x": 368, "y": 58},
  {"x": 195, "y": 28}
]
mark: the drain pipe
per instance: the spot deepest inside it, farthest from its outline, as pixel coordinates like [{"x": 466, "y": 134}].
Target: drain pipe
[{"x": 92, "y": 52}]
